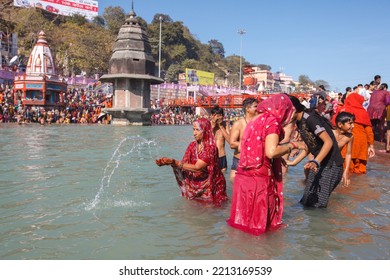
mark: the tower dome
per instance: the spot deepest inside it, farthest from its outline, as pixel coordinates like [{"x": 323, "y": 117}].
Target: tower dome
[{"x": 41, "y": 61}]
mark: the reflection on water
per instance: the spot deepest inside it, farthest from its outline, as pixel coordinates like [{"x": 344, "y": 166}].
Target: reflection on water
[{"x": 94, "y": 192}]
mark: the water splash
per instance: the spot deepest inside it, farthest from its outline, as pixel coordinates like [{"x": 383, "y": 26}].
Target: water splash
[{"x": 128, "y": 147}]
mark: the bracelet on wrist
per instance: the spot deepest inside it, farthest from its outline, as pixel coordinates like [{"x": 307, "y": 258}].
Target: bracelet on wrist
[
  {"x": 181, "y": 165},
  {"x": 316, "y": 162}
]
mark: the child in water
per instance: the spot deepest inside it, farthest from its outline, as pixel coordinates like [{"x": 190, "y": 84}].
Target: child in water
[
  {"x": 343, "y": 134},
  {"x": 344, "y": 137}
]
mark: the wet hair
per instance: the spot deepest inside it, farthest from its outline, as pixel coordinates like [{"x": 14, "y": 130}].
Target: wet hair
[
  {"x": 217, "y": 110},
  {"x": 344, "y": 117},
  {"x": 376, "y": 77},
  {"x": 348, "y": 89},
  {"x": 299, "y": 107},
  {"x": 247, "y": 102},
  {"x": 322, "y": 87}
]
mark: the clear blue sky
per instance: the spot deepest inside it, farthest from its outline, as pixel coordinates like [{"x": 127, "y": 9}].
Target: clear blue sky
[{"x": 343, "y": 42}]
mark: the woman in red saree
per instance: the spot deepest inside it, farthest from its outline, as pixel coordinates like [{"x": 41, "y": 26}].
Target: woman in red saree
[
  {"x": 257, "y": 202},
  {"x": 198, "y": 173}
]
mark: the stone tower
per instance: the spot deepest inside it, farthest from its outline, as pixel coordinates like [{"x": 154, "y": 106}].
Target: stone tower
[{"x": 131, "y": 71}]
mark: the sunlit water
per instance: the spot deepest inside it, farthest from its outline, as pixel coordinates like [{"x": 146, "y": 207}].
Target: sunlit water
[{"x": 94, "y": 192}]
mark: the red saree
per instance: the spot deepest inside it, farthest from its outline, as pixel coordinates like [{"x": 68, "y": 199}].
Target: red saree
[
  {"x": 257, "y": 201},
  {"x": 208, "y": 185}
]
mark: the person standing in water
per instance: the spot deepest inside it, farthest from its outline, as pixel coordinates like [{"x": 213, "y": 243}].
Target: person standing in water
[
  {"x": 257, "y": 201},
  {"x": 249, "y": 106},
  {"x": 198, "y": 174},
  {"x": 325, "y": 170},
  {"x": 221, "y": 131},
  {"x": 344, "y": 138}
]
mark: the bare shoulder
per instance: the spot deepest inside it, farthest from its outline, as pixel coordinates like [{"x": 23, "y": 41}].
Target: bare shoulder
[
  {"x": 239, "y": 124},
  {"x": 218, "y": 134}
]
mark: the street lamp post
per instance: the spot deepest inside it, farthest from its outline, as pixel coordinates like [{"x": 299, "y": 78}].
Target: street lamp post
[
  {"x": 241, "y": 32},
  {"x": 159, "y": 61}
]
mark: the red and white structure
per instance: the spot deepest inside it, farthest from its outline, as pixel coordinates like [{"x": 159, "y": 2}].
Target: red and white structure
[{"x": 40, "y": 85}]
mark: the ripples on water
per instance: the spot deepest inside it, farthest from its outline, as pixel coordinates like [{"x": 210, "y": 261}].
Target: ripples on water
[{"x": 94, "y": 192}]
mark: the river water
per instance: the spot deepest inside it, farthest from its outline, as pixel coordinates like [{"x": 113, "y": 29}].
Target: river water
[{"x": 80, "y": 192}]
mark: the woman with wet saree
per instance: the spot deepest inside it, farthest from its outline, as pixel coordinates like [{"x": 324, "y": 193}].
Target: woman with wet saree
[
  {"x": 198, "y": 174},
  {"x": 257, "y": 201}
]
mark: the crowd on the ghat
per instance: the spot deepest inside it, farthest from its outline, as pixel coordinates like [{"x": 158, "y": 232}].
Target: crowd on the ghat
[
  {"x": 176, "y": 115},
  {"x": 87, "y": 107},
  {"x": 81, "y": 107}
]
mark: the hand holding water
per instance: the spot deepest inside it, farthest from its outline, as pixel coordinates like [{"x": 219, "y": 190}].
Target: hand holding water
[{"x": 166, "y": 161}]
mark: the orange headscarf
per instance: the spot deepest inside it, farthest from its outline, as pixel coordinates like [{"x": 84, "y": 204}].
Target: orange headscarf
[{"x": 354, "y": 104}]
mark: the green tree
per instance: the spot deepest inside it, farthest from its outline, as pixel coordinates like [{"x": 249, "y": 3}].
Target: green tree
[
  {"x": 178, "y": 53},
  {"x": 304, "y": 80},
  {"x": 99, "y": 21},
  {"x": 164, "y": 18},
  {"x": 27, "y": 24},
  {"x": 217, "y": 48},
  {"x": 115, "y": 17},
  {"x": 305, "y": 83},
  {"x": 264, "y": 67},
  {"x": 77, "y": 19},
  {"x": 321, "y": 82},
  {"x": 173, "y": 72}
]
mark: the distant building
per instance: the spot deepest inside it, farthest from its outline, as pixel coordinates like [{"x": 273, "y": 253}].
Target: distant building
[
  {"x": 283, "y": 83},
  {"x": 8, "y": 59},
  {"x": 40, "y": 85},
  {"x": 266, "y": 81}
]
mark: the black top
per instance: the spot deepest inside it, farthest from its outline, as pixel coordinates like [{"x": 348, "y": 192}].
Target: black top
[{"x": 310, "y": 127}]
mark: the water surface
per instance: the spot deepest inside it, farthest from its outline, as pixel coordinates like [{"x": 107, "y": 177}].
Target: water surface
[{"x": 94, "y": 192}]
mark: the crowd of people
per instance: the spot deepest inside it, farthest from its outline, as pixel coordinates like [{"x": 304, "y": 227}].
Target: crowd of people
[
  {"x": 336, "y": 139},
  {"x": 80, "y": 107},
  {"x": 86, "y": 107}
]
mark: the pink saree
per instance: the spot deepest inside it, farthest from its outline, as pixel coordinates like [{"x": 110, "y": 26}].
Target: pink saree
[{"x": 257, "y": 202}]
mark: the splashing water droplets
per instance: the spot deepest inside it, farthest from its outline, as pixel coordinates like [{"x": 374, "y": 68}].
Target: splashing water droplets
[{"x": 131, "y": 149}]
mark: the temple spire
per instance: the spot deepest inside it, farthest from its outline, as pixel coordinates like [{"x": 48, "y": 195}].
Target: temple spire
[{"x": 132, "y": 19}]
